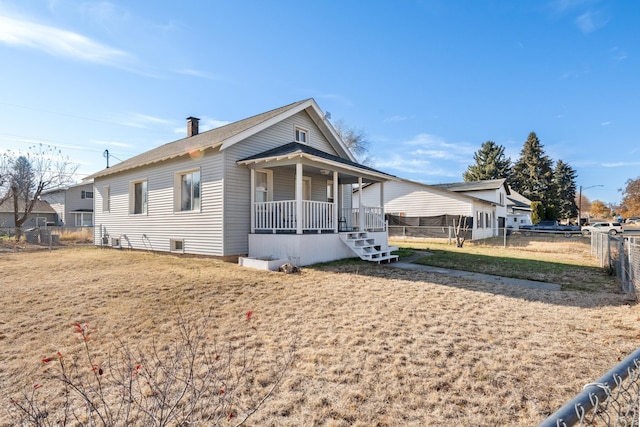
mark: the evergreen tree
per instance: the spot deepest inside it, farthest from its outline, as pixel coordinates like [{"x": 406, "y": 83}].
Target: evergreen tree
[
  {"x": 532, "y": 173},
  {"x": 537, "y": 212},
  {"x": 491, "y": 163},
  {"x": 564, "y": 183}
]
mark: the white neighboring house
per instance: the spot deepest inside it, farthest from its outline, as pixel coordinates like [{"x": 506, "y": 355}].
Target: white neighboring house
[
  {"x": 74, "y": 204},
  {"x": 518, "y": 210},
  {"x": 413, "y": 199},
  {"x": 272, "y": 186},
  {"x": 494, "y": 191}
]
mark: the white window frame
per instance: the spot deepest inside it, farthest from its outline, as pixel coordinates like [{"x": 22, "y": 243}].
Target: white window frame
[
  {"x": 307, "y": 189},
  {"x": 479, "y": 219},
  {"x": 86, "y": 194},
  {"x": 269, "y": 190},
  {"x": 331, "y": 191},
  {"x": 177, "y": 191},
  {"x": 106, "y": 199},
  {"x": 177, "y": 245},
  {"x": 300, "y": 131},
  {"x": 132, "y": 197},
  {"x": 80, "y": 219}
]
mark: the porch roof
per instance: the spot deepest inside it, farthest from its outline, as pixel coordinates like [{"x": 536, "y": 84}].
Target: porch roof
[{"x": 292, "y": 152}]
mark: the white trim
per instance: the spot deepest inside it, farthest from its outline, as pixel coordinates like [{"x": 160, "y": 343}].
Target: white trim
[
  {"x": 301, "y": 130},
  {"x": 106, "y": 198},
  {"x": 269, "y": 191},
  {"x": 132, "y": 197},
  {"x": 176, "y": 245},
  {"x": 177, "y": 191}
]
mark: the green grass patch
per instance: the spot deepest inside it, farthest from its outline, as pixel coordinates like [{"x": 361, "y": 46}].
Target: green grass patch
[{"x": 570, "y": 276}]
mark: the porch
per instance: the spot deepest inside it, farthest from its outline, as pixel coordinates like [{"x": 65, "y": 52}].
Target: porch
[
  {"x": 301, "y": 205},
  {"x": 281, "y": 217}
]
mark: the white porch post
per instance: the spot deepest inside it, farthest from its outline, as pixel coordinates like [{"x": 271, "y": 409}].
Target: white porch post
[
  {"x": 382, "y": 203},
  {"x": 335, "y": 202},
  {"x": 360, "y": 206},
  {"x": 253, "y": 201},
  {"x": 299, "y": 198}
]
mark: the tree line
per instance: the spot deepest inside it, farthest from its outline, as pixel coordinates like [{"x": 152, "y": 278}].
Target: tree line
[{"x": 551, "y": 186}]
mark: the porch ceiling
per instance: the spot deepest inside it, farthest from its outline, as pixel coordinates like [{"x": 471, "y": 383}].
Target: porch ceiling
[{"x": 293, "y": 153}]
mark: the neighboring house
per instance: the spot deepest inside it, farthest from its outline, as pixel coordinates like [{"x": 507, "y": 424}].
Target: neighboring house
[
  {"x": 421, "y": 202},
  {"x": 41, "y": 215},
  {"x": 518, "y": 210},
  {"x": 494, "y": 191},
  {"x": 275, "y": 185},
  {"x": 74, "y": 204}
]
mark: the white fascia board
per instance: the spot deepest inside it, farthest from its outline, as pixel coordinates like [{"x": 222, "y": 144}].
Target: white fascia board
[{"x": 264, "y": 125}]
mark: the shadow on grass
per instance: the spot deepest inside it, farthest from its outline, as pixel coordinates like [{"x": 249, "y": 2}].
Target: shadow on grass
[{"x": 572, "y": 294}]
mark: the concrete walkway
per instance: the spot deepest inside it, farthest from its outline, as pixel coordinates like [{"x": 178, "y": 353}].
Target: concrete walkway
[{"x": 407, "y": 264}]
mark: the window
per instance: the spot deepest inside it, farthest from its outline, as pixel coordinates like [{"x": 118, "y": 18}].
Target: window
[
  {"x": 188, "y": 191},
  {"x": 177, "y": 245},
  {"x": 138, "y": 197},
  {"x": 487, "y": 220},
  {"x": 84, "y": 219},
  {"x": 301, "y": 135},
  {"x": 479, "y": 218},
  {"x": 263, "y": 180},
  {"x": 106, "y": 199},
  {"x": 501, "y": 198},
  {"x": 306, "y": 188},
  {"x": 330, "y": 192},
  {"x": 86, "y": 194}
]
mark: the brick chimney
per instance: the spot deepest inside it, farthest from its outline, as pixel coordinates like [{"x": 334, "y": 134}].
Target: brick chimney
[{"x": 192, "y": 126}]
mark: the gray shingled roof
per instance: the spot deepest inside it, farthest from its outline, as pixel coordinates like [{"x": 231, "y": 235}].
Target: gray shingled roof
[
  {"x": 487, "y": 184},
  {"x": 40, "y": 207},
  {"x": 296, "y": 147},
  {"x": 201, "y": 141}
]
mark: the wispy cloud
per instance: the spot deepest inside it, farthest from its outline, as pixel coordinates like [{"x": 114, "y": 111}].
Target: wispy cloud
[
  {"x": 59, "y": 42},
  {"x": 142, "y": 121},
  {"x": 591, "y": 21},
  {"x": 620, "y": 164},
  {"x": 428, "y": 156},
  {"x": 111, "y": 144},
  {"x": 435, "y": 144},
  {"x": 395, "y": 119},
  {"x": 199, "y": 73},
  {"x": 606, "y": 123}
]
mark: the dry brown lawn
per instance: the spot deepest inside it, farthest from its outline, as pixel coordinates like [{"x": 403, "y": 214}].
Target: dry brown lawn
[{"x": 376, "y": 345}]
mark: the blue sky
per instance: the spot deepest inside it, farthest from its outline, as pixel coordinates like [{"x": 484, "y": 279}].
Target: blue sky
[{"x": 428, "y": 81}]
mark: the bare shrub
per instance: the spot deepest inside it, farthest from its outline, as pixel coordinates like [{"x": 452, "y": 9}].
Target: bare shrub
[{"x": 191, "y": 380}]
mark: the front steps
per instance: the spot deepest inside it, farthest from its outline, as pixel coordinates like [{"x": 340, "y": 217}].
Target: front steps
[{"x": 367, "y": 248}]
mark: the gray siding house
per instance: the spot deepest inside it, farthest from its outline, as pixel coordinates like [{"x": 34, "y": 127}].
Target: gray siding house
[
  {"x": 74, "y": 204},
  {"x": 41, "y": 215},
  {"x": 269, "y": 186}
]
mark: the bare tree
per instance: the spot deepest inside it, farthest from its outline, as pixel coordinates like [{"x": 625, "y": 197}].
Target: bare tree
[
  {"x": 460, "y": 229},
  {"x": 41, "y": 168},
  {"x": 355, "y": 139},
  {"x": 4, "y": 178}
]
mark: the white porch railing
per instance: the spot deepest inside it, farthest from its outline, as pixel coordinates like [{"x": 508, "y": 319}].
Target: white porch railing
[
  {"x": 280, "y": 216},
  {"x": 373, "y": 218},
  {"x": 274, "y": 216}
]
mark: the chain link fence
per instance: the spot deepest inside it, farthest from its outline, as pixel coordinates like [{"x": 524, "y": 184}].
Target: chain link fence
[
  {"x": 490, "y": 237},
  {"x": 37, "y": 238},
  {"x": 614, "y": 399}
]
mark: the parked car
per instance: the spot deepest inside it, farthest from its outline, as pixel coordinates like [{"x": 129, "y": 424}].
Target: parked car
[
  {"x": 612, "y": 228},
  {"x": 549, "y": 227},
  {"x": 633, "y": 220}
]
